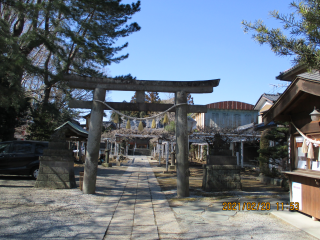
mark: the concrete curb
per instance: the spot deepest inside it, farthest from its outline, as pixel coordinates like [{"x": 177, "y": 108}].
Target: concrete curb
[{"x": 300, "y": 221}]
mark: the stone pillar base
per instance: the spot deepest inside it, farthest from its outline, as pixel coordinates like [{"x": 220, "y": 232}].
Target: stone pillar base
[
  {"x": 107, "y": 164},
  {"x": 56, "y": 167},
  {"x": 172, "y": 167}
]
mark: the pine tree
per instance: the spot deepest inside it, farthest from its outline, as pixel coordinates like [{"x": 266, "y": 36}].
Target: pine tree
[
  {"x": 150, "y": 97},
  {"x": 304, "y": 40},
  {"x": 45, "y": 119},
  {"x": 274, "y": 152},
  {"x": 38, "y": 42}
]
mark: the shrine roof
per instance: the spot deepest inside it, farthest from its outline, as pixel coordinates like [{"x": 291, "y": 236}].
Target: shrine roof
[
  {"x": 313, "y": 76},
  {"x": 78, "y": 130}
]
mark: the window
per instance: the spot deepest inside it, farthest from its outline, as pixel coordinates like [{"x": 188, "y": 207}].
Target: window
[
  {"x": 22, "y": 148},
  {"x": 237, "y": 120},
  {"x": 225, "y": 120},
  {"x": 301, "y": 160},
  {"x": 39, "y": 148},
  {"x": 248, "y": 118},
  {"x": 4, "y": 147}
]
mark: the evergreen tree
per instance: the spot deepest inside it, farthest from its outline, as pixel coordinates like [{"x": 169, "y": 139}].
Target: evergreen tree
[
  {"x": 46, "y": 39},
  {"x": 171, "y": 127},
  {"x": 150, "y": 97},
  {"x": 11, "y": 117},
  {"x": 46, "y": 118},
  {"x": 13, "y": 102},
  {"x": 274, "y": 152},
  {"x": 303, "y": 41}
]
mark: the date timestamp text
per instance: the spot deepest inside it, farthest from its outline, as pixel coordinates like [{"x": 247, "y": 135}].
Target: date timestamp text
[{"x": 256, "y": 206}]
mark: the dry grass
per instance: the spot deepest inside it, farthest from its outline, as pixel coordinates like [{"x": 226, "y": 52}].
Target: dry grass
[{"x": 168, "y": 181}]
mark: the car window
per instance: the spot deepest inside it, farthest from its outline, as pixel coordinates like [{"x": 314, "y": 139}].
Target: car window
[
  {"x": 4, "y": 147},
  {"x": 22, "y": 148},
  {"x": 40, "y": 148}
]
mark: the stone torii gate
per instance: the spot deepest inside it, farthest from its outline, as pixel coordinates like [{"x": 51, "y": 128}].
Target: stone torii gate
[{"x": 100, "y": 85}]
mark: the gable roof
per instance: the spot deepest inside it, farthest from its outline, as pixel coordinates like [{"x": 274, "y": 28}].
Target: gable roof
[
  {"x": 76, "y": 129},
  {"x": 271, "y": 98},
  {"x": 291, "y": 73},
  {"x": 300, "y": 91}
]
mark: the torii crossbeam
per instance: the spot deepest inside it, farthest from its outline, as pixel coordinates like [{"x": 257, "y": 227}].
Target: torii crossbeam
[{"x": 100, "y": 85}]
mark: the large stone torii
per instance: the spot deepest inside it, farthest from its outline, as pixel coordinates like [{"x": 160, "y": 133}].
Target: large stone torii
[{"x": 100, "y": 85}]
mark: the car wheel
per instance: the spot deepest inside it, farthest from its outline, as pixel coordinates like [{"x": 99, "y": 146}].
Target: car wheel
[{"x": 35, "y": 173}]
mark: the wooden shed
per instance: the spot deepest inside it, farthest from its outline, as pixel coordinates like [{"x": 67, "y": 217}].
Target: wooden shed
[{"x": 295, "y": 106}]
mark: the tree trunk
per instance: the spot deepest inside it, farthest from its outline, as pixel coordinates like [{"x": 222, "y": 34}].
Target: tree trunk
[{"x": 47, "y": 91}]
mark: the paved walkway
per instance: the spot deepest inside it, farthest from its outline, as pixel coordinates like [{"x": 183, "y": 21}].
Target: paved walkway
[{"x": 135, "y": 209}]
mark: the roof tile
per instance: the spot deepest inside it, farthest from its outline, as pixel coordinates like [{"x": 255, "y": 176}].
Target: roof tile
[{"x": 232, "y": 105}]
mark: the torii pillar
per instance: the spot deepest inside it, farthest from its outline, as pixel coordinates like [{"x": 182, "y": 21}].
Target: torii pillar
[
  {"x": 94, "y": 137},
  {"x": 182, "y": 162}
]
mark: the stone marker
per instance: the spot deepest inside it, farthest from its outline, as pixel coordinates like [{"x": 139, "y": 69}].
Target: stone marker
[
  {"x": 221, "y": 178},
  {"x": 57, "y": 164},
  {"x": 107, "y": 159}
]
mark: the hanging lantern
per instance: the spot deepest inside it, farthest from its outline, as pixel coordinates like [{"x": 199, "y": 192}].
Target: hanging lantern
[
  {"x": 116, "y": 118},
  {"x": 315, "y": 115},
  {"x": 166, "y": 119},
  {"x": 128, "y": 124},
  {"x": 153, "y": 125},
  {"x": 140, "y": 128}
]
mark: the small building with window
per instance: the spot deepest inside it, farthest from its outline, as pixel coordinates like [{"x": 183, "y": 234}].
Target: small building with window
[
  {"x": 264, "y": 103},
  {"x": 295, "y": 105},
  {"x": 231, "y": 115},
  {"x": 227, "y": 114}
]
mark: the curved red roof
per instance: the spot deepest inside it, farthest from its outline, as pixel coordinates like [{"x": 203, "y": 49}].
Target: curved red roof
[{"x": 232, "y": 105}]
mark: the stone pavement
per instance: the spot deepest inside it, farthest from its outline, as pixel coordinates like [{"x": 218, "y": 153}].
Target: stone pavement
[{"x": 134, "y": 209}]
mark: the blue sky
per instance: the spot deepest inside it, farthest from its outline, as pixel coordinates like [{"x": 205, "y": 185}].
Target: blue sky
[{"x": 202, "y": 40}]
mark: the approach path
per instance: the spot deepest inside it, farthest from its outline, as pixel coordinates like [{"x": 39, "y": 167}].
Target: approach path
[{"x": 142, "y": 211}]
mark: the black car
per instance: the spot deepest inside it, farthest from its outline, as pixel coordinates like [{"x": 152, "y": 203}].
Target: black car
[{"x": 21, "y": 157}]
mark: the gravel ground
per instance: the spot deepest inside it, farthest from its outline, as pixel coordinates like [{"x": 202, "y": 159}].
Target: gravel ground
[
  {"x": 241, "y": 225},
  {"x": 28, "y": 212}
]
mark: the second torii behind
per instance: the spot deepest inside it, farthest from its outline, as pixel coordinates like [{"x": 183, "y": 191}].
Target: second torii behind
[{"x": 100, "y": 85}]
